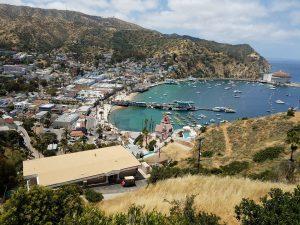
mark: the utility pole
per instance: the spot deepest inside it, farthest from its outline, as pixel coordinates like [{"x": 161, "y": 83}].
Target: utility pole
[{"x": 200, "y": 142}]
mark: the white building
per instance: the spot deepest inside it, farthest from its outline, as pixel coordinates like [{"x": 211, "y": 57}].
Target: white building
[
  {"x": 21, "y": 105},
  {"x": 278, "y": 77},
  {"x": 66, "y": 121},
  {"x": 14, "y": 69}
]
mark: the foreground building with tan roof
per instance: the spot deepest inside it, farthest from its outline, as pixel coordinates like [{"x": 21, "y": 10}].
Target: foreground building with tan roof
[{"x": 98, "y": 166}]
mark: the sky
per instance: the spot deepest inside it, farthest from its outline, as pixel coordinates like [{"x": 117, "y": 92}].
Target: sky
[{"x": 271, "y": 27}]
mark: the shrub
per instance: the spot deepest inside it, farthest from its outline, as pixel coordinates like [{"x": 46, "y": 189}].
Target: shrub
[
  {"x": 207, "y": 154},
  {"x": 139, "y": 140},
  {"x": 290, "y": 112},
  {"x": 93, "y": 196},
  {"x": 277, "y": 208},
  {"x": 151, "y": 145},
  {"x": 267, "y": 175},
  {"x": 267, "y": 154},
  {"x": 234, "y": 167},
  {"x": 203, "y": 129}
]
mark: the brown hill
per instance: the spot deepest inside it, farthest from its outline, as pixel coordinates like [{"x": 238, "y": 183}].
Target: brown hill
[{"x": 44, "y": 30}]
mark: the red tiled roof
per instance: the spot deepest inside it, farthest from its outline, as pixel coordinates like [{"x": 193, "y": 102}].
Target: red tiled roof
[
  {"x": 77, "y": 133},
  {"x": 281, "y": 74}
]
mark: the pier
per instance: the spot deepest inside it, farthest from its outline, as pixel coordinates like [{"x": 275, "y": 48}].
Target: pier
[{"x": 174, "y": 106}]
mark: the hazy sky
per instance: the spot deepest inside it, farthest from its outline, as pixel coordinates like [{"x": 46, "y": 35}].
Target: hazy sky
[{"x": 272, "y": 27}]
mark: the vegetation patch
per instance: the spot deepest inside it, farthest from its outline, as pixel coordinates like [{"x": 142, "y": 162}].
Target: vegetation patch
[
  {"x": 266, "y": 175},
  {"x": 268, "y": 154},
  {"x": 234, "y": 167},
  {"x": 93, "y": 196},
  {"x": 207, "y": 154}
]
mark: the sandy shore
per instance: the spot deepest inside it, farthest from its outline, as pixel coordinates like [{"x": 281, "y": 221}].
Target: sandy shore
[{"x": 124, "y": 97}]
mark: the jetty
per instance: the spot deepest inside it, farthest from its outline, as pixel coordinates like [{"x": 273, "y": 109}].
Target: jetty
[{"x": 173, "y": 106}]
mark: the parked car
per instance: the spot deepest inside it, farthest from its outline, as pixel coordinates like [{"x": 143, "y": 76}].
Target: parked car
[{"x": 128, "y": 181}]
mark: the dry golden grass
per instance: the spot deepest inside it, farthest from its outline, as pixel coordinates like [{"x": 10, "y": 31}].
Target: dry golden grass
[
  {"x": 175, "y": 151},
  {"x": 241, "y": 139},
  {"x": 217, "y": 195}
]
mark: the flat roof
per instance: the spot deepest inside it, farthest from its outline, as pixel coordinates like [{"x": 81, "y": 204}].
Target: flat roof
[
  {"x": 56, "y": 170},
  {"x": 67, "y": 117},
  {"x": 48, "y": 105}
]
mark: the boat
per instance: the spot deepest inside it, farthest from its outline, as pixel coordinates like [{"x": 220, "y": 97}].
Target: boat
[
  {"x": 279, "y": 102},
  {"x": 198, "y": 92},
  {"x": 183, "y": 105},
  {"x": 150, "y": 97},
  {"x": 237, "y": 96},
  {"x": 223, "y": 109},
  {"x": 202, "y": 116},
  {"x": 165, "y": 94},
  {"x": 192, "y": 78},
  {"x": 212, "y": 121},
  {"x": 227, "y": 88},
  {"x": 237, "y": 91},
  {"x": 171, "y": 81}
]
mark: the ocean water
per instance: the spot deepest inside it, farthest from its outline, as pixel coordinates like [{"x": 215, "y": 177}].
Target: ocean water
[{"x": 255, "y": 100}]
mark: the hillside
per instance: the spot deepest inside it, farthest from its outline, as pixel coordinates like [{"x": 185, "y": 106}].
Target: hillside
[
  {"x": 242, "y": 139},
  {"x": 44, "y": 30},
  {"x": 213, "y": 194}
]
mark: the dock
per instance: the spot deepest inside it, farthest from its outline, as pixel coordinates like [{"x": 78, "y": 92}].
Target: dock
[{"x": 174, "y": 106}]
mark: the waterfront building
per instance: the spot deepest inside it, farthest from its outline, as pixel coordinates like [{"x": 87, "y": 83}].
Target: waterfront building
[
  {"x": 278, "y": 77},
  {"x": 98, "y": 166},
  {"x": 164, "y": 129},
  {"x": 281, "y": 77}
]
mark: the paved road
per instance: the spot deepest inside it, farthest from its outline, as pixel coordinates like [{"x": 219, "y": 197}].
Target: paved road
[{"x": 28, "y": 144}]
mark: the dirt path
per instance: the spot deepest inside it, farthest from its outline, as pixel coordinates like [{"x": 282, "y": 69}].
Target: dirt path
[{"x": 227, "y": 140}]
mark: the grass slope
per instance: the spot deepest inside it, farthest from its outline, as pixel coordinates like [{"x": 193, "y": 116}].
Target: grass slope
[
  {"x": 217, "y": 195},
  {"x": 241, "y": 139}
]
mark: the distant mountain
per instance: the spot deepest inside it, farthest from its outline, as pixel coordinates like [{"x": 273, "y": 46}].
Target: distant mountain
[{"x": 44, "y": 30}]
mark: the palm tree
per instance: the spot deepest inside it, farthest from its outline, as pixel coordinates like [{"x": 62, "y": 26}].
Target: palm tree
[
  {"x": 100, "y": 132},
  {"x": 293, "y": 138},
  {"x": 64, "y": 144},
  {"x": 145, "y": 131}
]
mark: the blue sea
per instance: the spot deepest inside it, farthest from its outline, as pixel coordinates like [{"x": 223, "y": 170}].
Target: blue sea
[{"x": 254, "y": 100}]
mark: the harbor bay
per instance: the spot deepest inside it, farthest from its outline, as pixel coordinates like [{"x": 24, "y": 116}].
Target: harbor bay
[{"x": 248, "y": 99}]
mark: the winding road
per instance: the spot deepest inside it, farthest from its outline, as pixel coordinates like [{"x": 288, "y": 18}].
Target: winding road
[{"x": 28, "y": 144}]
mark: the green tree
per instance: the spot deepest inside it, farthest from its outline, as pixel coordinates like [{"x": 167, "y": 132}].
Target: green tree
[
  {"x": 100, "y": 131},
  {"x": 41, "y": 205},
  {"x": 277, "y": 208},
  {"x": 293, "y": 138},
  {"x": 151, "y": 145},
  {"x": 28, "y": 123},
  {"x": 93, "y": 196}
]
